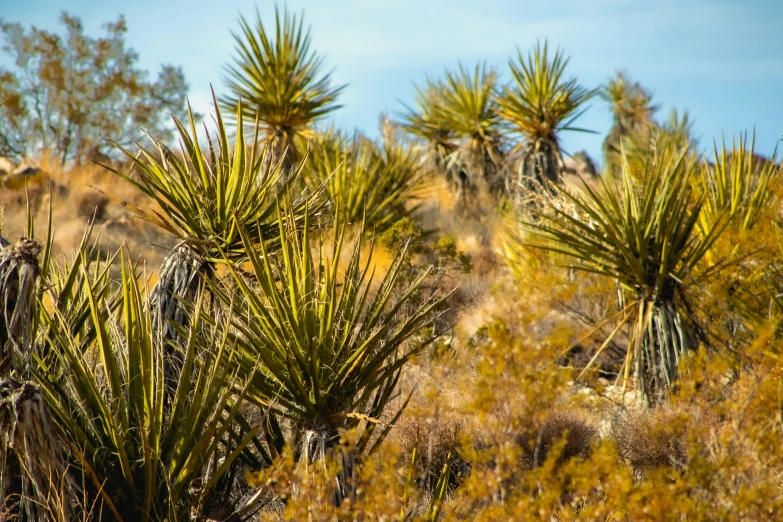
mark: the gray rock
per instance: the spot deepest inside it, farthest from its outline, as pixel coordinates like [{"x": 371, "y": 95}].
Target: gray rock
[{"x": 580, "y": 163}]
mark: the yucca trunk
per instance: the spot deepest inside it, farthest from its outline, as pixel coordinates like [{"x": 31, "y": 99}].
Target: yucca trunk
[
  {"x": 18, "y": 275},
  {"x": 284, "y": 151},
  {"x": 484, "y": 166},
  {"x": 34, "y": 483},
  {"x": 456, "y": 176},
  {"x": 182, "y": 279},
  {"x": 664, "y": 336},
  {"x": 323, "y": 446},
  {"x": 539, "y": 167}
]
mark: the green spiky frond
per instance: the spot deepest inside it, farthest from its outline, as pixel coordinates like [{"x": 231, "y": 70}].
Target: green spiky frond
[
  {"x": 368, "y": 182},
  {"x": 107, "y": 400},
  {"x": 467, "y": 105},
  {"x": 318, "y": 346},
  {"x": 541, "y": 102},
  {"x": 641, "y": 232},
  {"x": 737, "y": 185},
  {"x": 424, "y": 120},
  {"x": 279, "y": 78},
  {"x": 200, "y": 193}
]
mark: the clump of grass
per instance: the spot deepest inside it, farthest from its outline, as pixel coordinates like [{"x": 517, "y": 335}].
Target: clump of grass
[
  {"x": 432, "y": 445},
  {"x": 650, "y": 439},
  {"x": 564, "y": 430}
]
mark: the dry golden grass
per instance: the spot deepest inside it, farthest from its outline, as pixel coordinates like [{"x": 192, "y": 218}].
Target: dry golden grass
[{"x": 75, "y": 202}]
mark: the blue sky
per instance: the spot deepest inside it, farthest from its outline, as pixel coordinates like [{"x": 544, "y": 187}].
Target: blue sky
[{"x": 721, "y": 60}]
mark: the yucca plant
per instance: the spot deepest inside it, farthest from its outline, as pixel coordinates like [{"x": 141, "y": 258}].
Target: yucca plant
[
  {"x": 33, "y": 480},
  {"x": 107, "y": 400},
  {"x": 632, "y": 111},
  {"x": 644, "y": 235},
  {"x": 737, "y": 185},
  {"x": 370, "y": 183},
  {"x": 663, "y": 140},
  {"x": 540, "y": 103},
  {"x": 467, "y": 108},
  {"x": 424, "y": 122},
  {"x": 279, "y": 78},
  {"x": 199, "y": 195},
  {"x": 322, "y": 349},
  {"x": 456, "y": 117}
]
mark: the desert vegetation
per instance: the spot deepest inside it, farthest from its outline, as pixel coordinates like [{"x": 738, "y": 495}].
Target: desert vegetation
[{"x": 261, "y": 316}]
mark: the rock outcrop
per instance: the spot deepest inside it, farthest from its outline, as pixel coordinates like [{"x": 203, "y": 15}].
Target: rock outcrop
[{"x": 580, "y": 163}]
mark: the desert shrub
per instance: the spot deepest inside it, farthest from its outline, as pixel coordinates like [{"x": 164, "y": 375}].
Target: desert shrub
[
  {"x": 439, "y": 262},
  {"x": 92, "y": 206},
  {"x": 433, "y": 445},
  {"x": 65, "y": 93},
  {"x": 649, "y": 439},
  {"x": 565, "y": 432}
]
